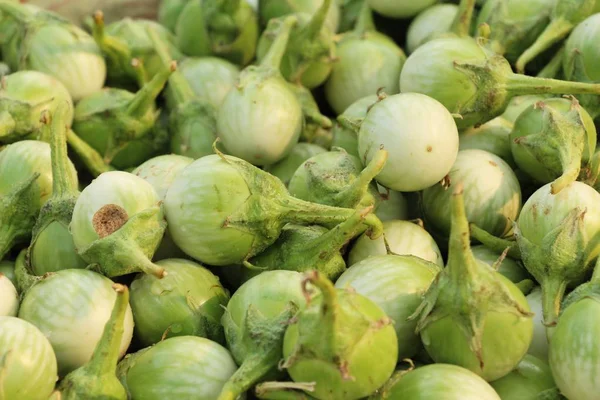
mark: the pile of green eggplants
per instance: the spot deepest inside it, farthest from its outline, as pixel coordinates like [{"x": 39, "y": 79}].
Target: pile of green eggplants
[{"x": 301, "y": 199}]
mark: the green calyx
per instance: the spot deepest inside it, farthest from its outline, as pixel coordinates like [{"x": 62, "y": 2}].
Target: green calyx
[
  {"x": 225, "y": 28},
  {"x": 319, "y": 345},
  {"x": 24, "y": 95},
  {"x": 23, "y": 276},
  {"x": 300, "y": 248},
  {"x": 43, "y": 252},
  {"x": 110, "y": 119},
  {"x": 497, "y": 84},
  {"x": 466, "y": 290},
  {"x": 260, "y": 339},
  {"x": 565, "y": 16},
  {"x": 514, "y": 25},
  {"x": 270, "y": 207},
  {"x": 97, "y": 379},
  {"x": 18, "y": 213},
  {"x": 271, "y": 62},
  {"x": 121, "y": 62},
  {"x": 561, "y": 258},
  {"x": 337, "y": 179},
  {"x": 193, "y": 121},
  {"x": 125, "y": 244},
  {"x": 310, "y": 51},
  {"x": 558, "y": 147}
]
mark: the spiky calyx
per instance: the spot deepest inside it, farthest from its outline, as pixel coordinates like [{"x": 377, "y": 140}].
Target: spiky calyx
[
  {"x": 225, "y": 28},
  {"x": 300, "y": 248},
  {"x": 514, "y": 25},
  {"x": 123, "y": 66},
  {"x": 270, "y": 207},
  {"x": 560, "y": 259},
  {"x": 487, "y": 78},
  {"x": 336, "y": 178},
  {"x": 110, "y": 119},
  {"x": 331, "y": 342},
  {"x": 193, "y": 121},
  {"x": 260, "y": 340},
  {"x": 17, "y": 213},
  {"x": 97, "y": 379},
  {"x": 311, "y": 50},
  {"x": 125, "y": 244},
  {"x": 466, "y": 295},
  {"x": 565, "y": 137}
]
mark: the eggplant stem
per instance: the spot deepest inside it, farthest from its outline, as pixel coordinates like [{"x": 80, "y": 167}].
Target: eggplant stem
[
  {"x": 518, "y": 84},
  {"x": 461, "y": 25},
  {"x": 144, "y": 99},
  {"x": 555, "y": 31},
  {"x": 106, "y": 355},
  {"x": 317, "y": 21},
  {"x": 364, "y": 22},
  {"x": 553, "y": 291},
  {"x": 177, "y": 83},
  {"x": 272, "y": 59},
  {"x": 88, "y": 155},
  {"x": 63, "y": 183}
]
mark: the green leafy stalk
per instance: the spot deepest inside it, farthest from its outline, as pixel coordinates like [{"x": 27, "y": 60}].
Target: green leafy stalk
[
  {"x": 64, "y": 184},
  {"x": 117, "y": 53},
  {"x": 494, "y": 243},
  {"x": 304, "y": 248},
  {"x": 358, "y": 188},
  {"x": 144, "y": 99},
  {"x": 566, "y": 15},
  {"x": 312, "y": 30},
  {"x": 97, "y": 380},
  {"x": 365, "y": 22},
  {"x": 263, "y": 340},
  {"x": 465, "y": 290},
  {"x": 461, "y": 25},
  {"x": 558, "y": 29},
  {"x": 181, "y": 88},
  {"x": 119, "y": 116},
  {"x": 92, "y": 160},
  {"x": 58, "y": 210},
  {"x": 192, "y": 119},
  {"x": 272, "y": 59}
]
